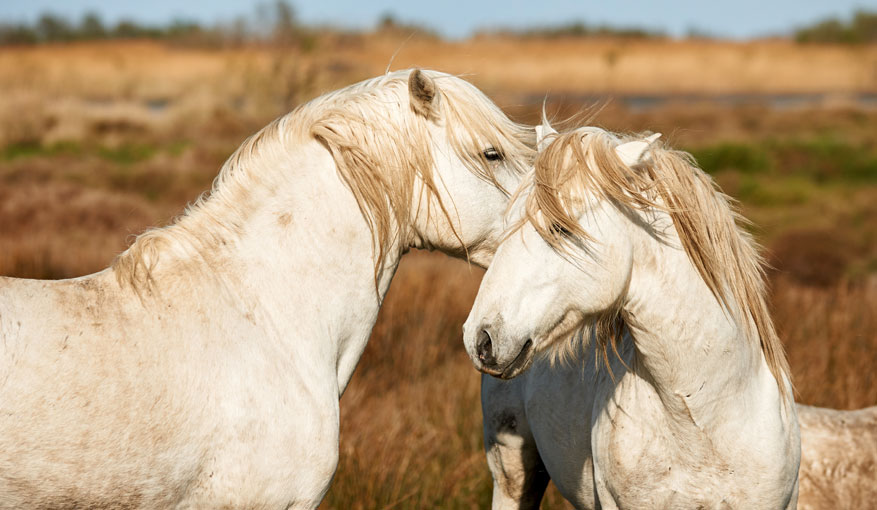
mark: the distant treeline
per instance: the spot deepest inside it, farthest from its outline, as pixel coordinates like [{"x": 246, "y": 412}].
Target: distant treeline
[
  {"x": 277, "y": 23},
  {"x": 53, "y": 28},
  {"x": 862, "y": 28},
  {"x": 274, "y": 22},
  {"x": 577, "y": 29}
]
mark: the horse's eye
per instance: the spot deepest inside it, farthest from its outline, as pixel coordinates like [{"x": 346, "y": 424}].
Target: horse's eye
[
  {"x": 491, "y": 154},
  {"x": 559, "y": 229}
]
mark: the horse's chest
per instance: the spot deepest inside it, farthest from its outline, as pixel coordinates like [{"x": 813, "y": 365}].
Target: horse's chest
[{"x": 642, "y": 461}]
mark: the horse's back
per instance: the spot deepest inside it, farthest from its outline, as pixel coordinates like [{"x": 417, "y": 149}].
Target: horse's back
[
  {"x": 112, "y": 399},
  {"x": 838, "y": 458},
  {"x": 84, "y": 420}
]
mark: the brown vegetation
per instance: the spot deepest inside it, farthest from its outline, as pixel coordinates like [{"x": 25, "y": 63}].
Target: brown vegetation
[{"x": 99, "y": 141}]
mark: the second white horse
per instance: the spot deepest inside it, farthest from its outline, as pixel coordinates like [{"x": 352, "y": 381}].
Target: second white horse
[{"x": 633, "y": 244}]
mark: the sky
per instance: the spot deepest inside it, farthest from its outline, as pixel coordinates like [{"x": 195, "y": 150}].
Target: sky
[{"x": 738, "y": 19}]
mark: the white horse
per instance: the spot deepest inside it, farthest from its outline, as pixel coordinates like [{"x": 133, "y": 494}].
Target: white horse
[
  {"x": 203, "y": 369},
  {"x": 535, "y": 430},
  {"x": 629, "y": 248}
]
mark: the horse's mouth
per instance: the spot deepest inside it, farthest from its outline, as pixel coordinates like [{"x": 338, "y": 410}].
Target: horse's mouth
[{"x": 521, "y": 363}]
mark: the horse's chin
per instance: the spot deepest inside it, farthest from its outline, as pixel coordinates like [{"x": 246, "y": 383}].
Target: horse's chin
[{"x": 521, "y": 363}]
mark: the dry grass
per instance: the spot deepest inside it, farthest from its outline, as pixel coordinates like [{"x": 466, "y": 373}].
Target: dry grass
[
  {"x": 831, "y": 338},
  {"x": 99, "y": 141},
  {"x": 85, "y": 90},
  {"x": 509, "y": 65}
]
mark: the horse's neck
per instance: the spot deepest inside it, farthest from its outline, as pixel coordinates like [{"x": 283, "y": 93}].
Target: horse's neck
[
  {"x": 688, "y": 346},
  {"x": 699, "y": 407},
  {"x": 304, "y": 258}
]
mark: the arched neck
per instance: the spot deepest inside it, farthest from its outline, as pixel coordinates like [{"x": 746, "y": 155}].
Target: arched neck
[
  {"x": 297, "y": 262},
  {"x": 320, "y": 263},
  {"x": 688, "y": 346}
]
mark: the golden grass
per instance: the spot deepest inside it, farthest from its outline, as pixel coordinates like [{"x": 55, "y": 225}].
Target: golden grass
[
  {"x": 509, "y": 65},
  {"x": 78, "y": 91},
  {"x": 831, "y": 338},
  {"x": 153, "y": 70}
]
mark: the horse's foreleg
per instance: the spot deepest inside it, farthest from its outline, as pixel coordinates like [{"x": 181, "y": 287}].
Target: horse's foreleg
[{"x": 519, "y": 477}]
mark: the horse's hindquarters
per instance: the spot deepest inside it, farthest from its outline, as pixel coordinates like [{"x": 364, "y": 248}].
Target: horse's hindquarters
[
  {"x": 838, "y": 458},
  {"x": 90, "y": 414}
]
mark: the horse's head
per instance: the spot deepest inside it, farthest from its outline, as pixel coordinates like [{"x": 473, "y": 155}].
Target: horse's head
[
  {"x": 430, "y": 159},
  {"x": 568, "y": 258},
  {"x": 478, "y": 156}
]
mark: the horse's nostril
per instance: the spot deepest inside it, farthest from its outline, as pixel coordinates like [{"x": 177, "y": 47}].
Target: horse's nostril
[{"x": 484, "y": 348}]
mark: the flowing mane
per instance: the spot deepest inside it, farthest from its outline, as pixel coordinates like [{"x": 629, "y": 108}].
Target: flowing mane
[
  {"x": 583, "y": 162},
  {"x": 380, "y": 145}
]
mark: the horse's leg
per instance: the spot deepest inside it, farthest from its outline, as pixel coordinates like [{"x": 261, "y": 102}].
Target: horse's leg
[{"x": 519, "y": 477}]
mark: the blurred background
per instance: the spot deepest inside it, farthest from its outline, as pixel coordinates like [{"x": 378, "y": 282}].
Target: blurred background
[{"x": 113, "y": 116}]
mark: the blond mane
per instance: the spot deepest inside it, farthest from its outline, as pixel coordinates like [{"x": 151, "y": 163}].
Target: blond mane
[
  {"x": 584, "y": 162},
  {"x": 380, "y": 146}
]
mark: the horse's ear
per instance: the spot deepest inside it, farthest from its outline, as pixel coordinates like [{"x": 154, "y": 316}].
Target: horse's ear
[
  {"x": 636, "y": 152},
  {"x": 543, "y": 131},
  {"x": 424, "y": 94}
]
